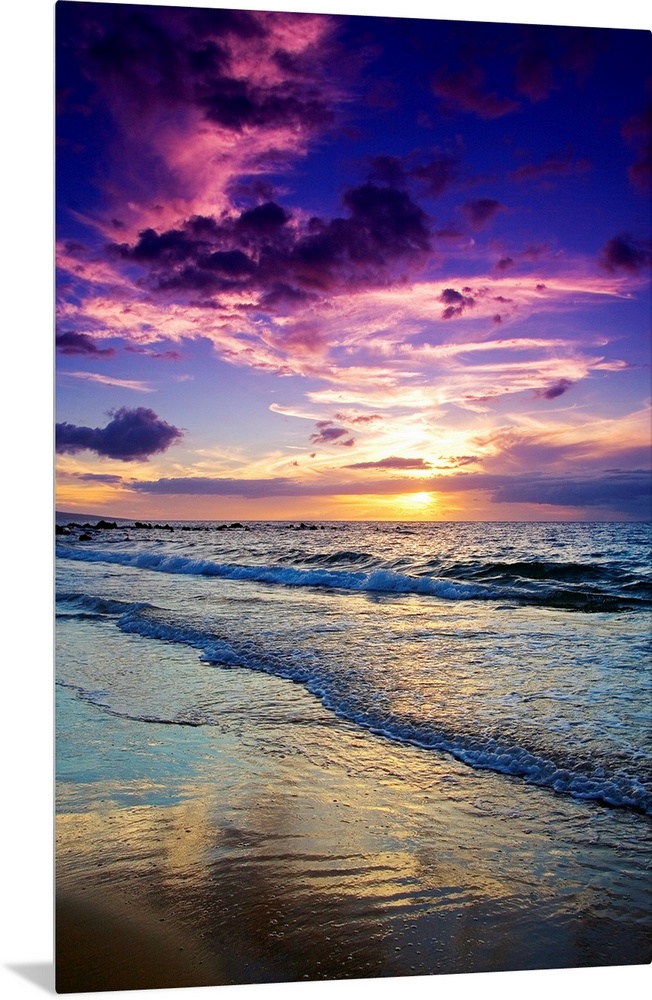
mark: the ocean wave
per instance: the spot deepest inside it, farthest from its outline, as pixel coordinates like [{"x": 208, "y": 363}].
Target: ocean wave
[
  {"x": 560, "y": 770},
  {"x": 570, "y": 586},
  {"x": 381, "y": 580}
]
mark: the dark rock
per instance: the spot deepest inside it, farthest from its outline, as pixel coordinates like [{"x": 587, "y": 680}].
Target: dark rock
[
  {"x": 106, "y": 524},
  {"x": 85, "y": 537}
]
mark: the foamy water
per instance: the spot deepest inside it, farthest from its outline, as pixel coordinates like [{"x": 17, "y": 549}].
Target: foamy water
[{"x": 517, "y": 648}]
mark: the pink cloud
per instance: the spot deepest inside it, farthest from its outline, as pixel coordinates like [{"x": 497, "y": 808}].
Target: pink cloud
[{"x": 208, "y": 98}]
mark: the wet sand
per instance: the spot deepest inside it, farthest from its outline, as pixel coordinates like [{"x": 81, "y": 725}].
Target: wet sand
[
  {"x": 308, "y": 850},
  {"x": 105, "y": 943}
]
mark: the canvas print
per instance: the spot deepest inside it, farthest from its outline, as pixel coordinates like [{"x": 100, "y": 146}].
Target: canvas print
[{"x": 353, "y": 496}]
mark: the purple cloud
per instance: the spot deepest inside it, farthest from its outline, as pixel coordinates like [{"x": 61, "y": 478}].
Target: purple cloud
[
  {"x": 626, "y": 492},
  {"x": 329, "y": 433},
  {"x": 625, "y": 253},
  {"x": 552, "y": 166},
  {"x": 81, "y": 343},
  {"x": 392, "y": 463},
  {"x": 455, "y": 303},
  {"x": 437, "y": 175},
  {"x": 557, "y": 388},
  {"x": 131, "y": 435},
  {"x": 388, "y": 170},
  {"x": 481, "y": 211},
  {"x": 505, "y": 263},
  {"x": 638, "y": 132},
  {"x": 465, "y": 91},
  {"x": 207, "y": 486},
  {"x": 148, "y": 58},
  {"x": 98, "y": 477},
  {"x": 258, "y": 250},
  {"x": 534, "y": 72}
]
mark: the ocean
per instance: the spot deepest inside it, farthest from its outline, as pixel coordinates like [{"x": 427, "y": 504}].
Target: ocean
[{"x": 502, "y": 670}]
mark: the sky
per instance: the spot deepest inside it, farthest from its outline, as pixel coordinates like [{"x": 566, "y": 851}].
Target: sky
[{"x": 330, "y": 266}]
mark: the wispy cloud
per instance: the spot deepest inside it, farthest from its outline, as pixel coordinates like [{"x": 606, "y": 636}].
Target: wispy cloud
[{"x": 123, "y": 383}]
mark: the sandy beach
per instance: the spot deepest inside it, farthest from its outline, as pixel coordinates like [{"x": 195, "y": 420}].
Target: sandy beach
[{"x": 322, "y": 852}]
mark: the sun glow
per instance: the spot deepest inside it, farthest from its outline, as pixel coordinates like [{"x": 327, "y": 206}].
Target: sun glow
[{"x": 420, "y": 499}]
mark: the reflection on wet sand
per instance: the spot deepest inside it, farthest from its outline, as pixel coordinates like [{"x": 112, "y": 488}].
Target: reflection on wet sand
[{"x": 387, "y": 861}]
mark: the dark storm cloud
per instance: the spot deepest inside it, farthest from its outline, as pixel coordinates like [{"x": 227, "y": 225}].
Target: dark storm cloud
[
  {"x": 481, "y": 211},
  {"x": 81, "y": 343},
  {"x": 625, "y": 253},
  {"x": 392, "y": 462},
  {"x": 131, "y": 435}
]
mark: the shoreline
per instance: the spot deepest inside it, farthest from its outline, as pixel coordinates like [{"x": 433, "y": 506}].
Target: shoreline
[{"x": 312, "y": 852}]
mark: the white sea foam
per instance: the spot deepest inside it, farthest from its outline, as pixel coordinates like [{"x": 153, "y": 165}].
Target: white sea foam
[
  {"x": 551, "y": 698},
  {"x": 385, "y": 581}
]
